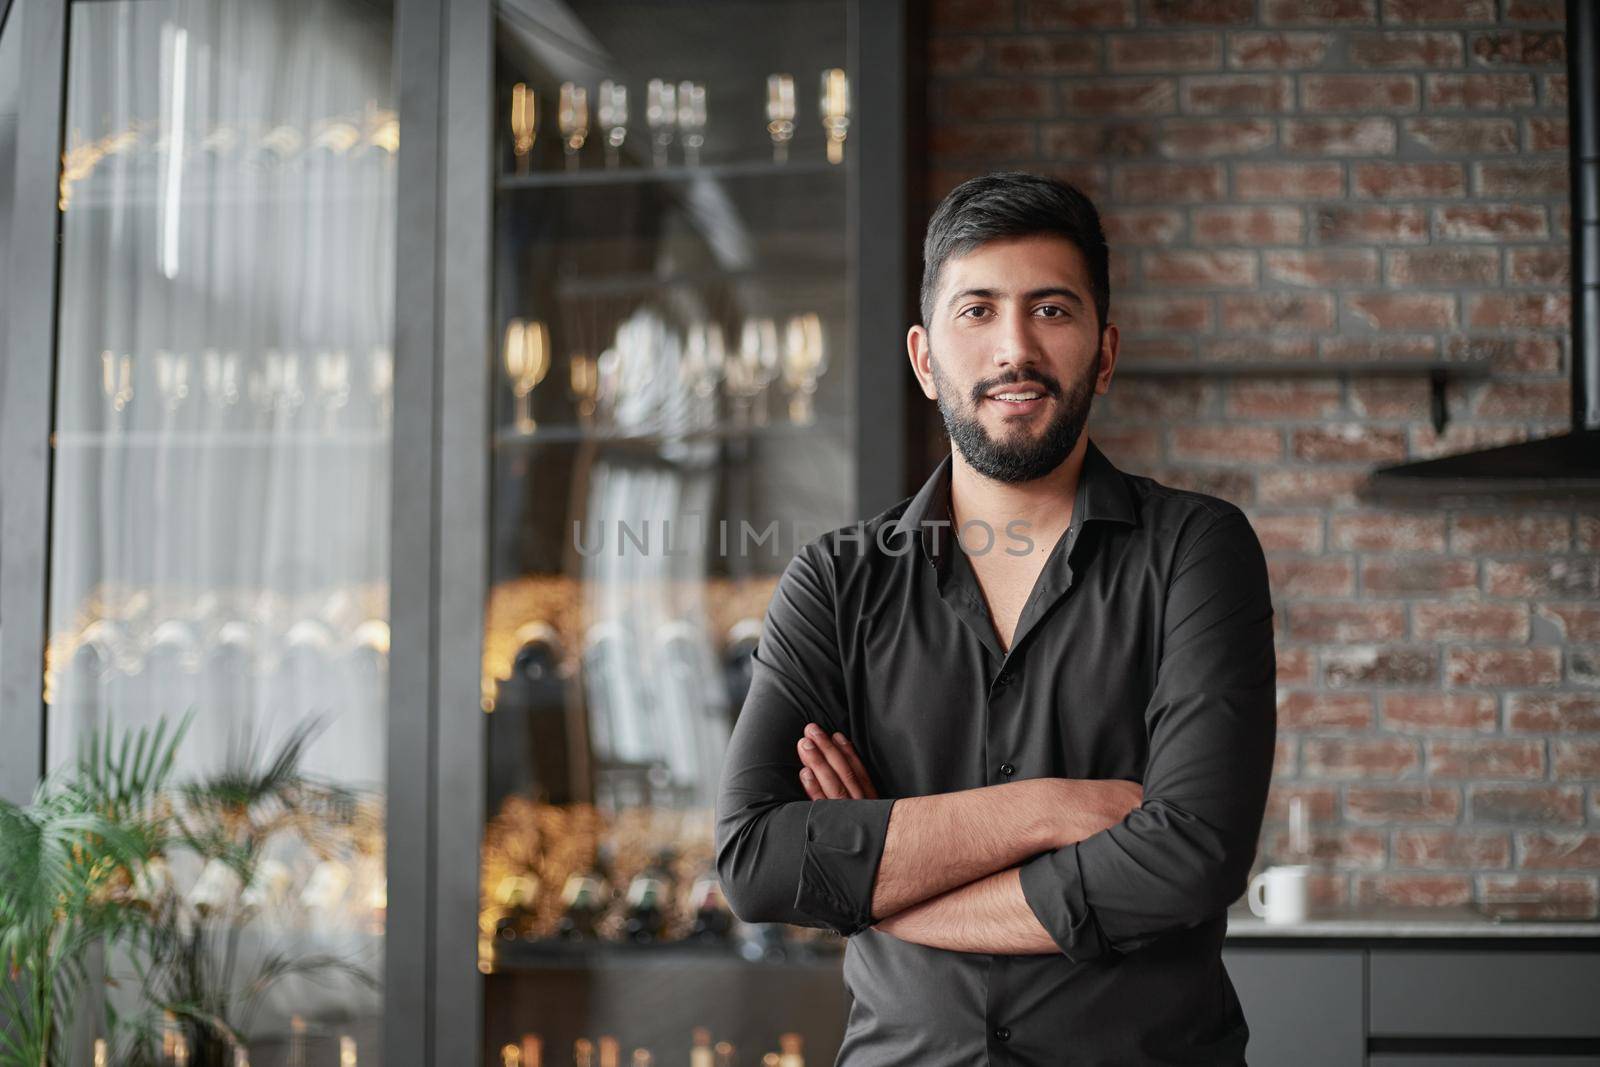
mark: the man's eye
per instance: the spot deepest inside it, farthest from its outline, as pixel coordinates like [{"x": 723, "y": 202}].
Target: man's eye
[
  {"x": 1059, "y": 312},
  {"x": 978, "y": 307}
]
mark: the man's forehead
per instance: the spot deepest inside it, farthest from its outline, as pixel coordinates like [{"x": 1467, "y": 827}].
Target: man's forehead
[{"x": 1033, "y": 262}]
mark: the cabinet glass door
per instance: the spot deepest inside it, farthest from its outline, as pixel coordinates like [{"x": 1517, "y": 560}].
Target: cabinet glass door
[
  {"x": 219, "y": 553},
  {"x": 674, "y": 413}
]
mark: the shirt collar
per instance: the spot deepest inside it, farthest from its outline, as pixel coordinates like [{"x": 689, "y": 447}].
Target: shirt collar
[{"x": 1102, "y": 495}]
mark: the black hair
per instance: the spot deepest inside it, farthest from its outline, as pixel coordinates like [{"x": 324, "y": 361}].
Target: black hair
[{"x": 1015, "y": 204}]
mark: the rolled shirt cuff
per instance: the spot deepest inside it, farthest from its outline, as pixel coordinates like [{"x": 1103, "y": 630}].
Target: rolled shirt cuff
[
  {"x": 1052, "y": 884},
  {"x": 843, "y": 847}
]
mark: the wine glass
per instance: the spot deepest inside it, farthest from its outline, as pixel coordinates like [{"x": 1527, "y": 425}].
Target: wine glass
[
  {"x": 613, "y": 118},
  {"x": 780, "y": 114},
  {"x": 835, "y": 109},
  {"x": 573, "y": 118},
  {"x": 524, "y": 123},
  {"x": 527, "y": 360}
]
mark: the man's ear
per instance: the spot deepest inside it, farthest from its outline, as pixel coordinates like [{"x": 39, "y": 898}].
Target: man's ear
[
  {"x": 921, "y": 356},
  {"x": 1109, "y": 339}
]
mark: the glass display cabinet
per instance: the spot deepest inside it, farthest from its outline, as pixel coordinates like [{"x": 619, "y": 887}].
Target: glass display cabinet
[
  {"x": 677, "y": 404},
  {"x": 436, "y": 486}
]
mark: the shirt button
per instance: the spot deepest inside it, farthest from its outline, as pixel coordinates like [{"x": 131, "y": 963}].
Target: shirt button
[
  {"x": 1003, "y": 678},
  {"x": 1003, "y": 1034},
  {"x": 1007, "y": 770}
]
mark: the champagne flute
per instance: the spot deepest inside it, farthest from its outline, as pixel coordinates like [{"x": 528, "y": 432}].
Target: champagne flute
[
  {"x": 613, "y": 118},
  {"x": 584, "y": 379},
  {"x": 573, "y": 118},
  {"x": 692, "y": 119},
  {"x": 780, "y": 114},
  {"x": 835, "y": 110},
  {"x": 524, "y": 123},
  {"x": 661, "y": 115},
  {"x": 527, "y": 360}
]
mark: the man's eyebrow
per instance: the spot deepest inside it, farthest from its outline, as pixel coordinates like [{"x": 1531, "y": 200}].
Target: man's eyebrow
[{"x": 1068, "y": 295}]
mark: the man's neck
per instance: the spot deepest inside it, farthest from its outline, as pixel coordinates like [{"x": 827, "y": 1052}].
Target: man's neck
[{"x": 1044, "y": 505}]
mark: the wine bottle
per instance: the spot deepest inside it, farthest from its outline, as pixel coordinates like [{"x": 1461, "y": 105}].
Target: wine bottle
[
  {"x": 724, "y": 1050},
  {"x": 648, "y": 894},
  {"x": 583, "y": 899},
  {"x": 583, "y": 1053},
  {"x": 610, "y": 1052},
  {"x": 713, "y": 921},
  {"x": 510, "y": 1056},
  {"x": 532, "y": 1050},
  {"x": 791, "y": 1044}
]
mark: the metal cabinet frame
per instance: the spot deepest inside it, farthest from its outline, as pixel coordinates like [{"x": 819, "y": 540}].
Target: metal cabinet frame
[{"x": 433, "y": 997}]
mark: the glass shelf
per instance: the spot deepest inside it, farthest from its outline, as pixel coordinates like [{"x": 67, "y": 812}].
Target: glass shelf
[{"x": 760, "y": 169}]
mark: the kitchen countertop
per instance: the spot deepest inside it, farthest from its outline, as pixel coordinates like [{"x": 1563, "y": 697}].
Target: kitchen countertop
[{"x": 1406, "y": 922}]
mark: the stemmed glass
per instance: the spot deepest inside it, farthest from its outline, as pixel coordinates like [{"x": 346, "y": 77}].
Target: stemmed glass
[
  {"x": 692, "y": 119},
  {"x": 780, "y": 114},
  {"x": 524, "y": 123},
  {"x": 527, "y": 360},
  {"x": 613, "y": 118},
  {"x": 661, "y": 115},
  {"x": 573, "y": 118},
  {"x": 835, "y": 108}
]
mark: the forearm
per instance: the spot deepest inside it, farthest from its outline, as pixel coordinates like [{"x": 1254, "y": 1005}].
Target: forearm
[
  {"x": 937, "y": 843},
  {"x": 988, "y": 915}
]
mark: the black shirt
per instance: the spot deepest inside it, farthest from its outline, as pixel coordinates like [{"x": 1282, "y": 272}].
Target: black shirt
[{"x": 1144, "y": 652}]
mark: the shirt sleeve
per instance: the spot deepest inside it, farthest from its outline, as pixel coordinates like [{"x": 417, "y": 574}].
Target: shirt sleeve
[
  {"x": 782, "y": 857},
  {"x": 1183, "y": 856}
]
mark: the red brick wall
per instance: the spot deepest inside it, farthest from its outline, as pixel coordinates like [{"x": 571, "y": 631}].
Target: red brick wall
[{"x": 1341, "y": 179}]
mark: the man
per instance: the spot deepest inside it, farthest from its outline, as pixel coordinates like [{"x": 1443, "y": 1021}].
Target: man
[{"x": 1013, "y": 736}]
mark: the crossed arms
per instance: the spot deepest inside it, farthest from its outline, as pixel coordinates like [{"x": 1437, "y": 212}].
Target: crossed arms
[{"x": 1084, "y": 868}]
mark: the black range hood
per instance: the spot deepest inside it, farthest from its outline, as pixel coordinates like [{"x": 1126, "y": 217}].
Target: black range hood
[{"x": 1569, "y": 463}]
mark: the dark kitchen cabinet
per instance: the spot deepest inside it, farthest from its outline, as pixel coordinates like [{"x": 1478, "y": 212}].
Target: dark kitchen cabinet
[{"x": 1304, "y": 1006}]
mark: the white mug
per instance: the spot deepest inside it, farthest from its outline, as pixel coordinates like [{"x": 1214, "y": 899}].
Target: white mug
[{"x": 1281, "y": 894}]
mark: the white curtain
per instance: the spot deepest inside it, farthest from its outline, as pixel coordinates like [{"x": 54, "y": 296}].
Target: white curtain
[{"x": 222, "y": 464}]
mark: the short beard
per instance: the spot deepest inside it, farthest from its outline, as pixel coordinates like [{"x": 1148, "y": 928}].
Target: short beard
[{"x": 1029, "y": 459}]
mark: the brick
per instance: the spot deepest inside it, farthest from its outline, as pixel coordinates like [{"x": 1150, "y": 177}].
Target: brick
[
  {"x": 1285, "y": 764},
  {"x": 1348, "y": 223},
  {"x": 1587, "y": 532},
  {"x": 1320, "y": 801},
  {"x": 1460, "y": 437},
  {"x": 1248, "y": 225},
  {"x": 1322, "y": 269},
  {"x": 1309, "y": 488},
  {"x": 987, "y": 141},
  {"x": 1478, "y": 92},
  {"x": 1142, "y": 226},
  {"x": 1387, "y": 531},
  {"x": 1142, "y": 445},
  {"x": 1281, "y": 399},
  {"x": 972, "y": 16},
  {"x": 1451, "y": 848},
  {"x": 1553, "y": 712},
  {"x": 1461, "y": 136},
  {"x": 1559, "y": 896},
  {"x": 1197, "y": 12},
  {"x": 1067, "y": 54},
  {"x": 1109, "y": 140},
  {"x": 1577, "y": 622},
  {"x": 1525, "y": 804},
  {"x": 1157, "y": 400},
  {"x": 978, "y": 99},
  {"x": 1391, "y": 180},
  {"x": 1345, "y": 624},
  {"x": 1536, "y": 11},
  {"x": 1348, "y": 443},
  {"x": 1544, "y": 134},
  {"x": 948, "y": 56},
  {"x": 1251, "y": 50},
  {"x": 1583, "y": 667},
  {"x": 1372, "y": 136},
  {"x": 1535, "y": 355},
  {"x": 1481, "y": 758},
  {"x": 1542, "y": 849},
  {"x": 1136, "y": 53},
  {"x": 1402, "y": 311},
  {"x": 1218, "y": 93},
  {"x": 1521, "y": 178},
  {"x": 1206, "y": 270},
  {"x": 1539, "y": 266},
  {"x": 1377, "y": 350},
  {"x": 1190, "y": 138},
  {"x": 1470, "y": 622},
  {"x": 1227, "y": 444},
  {"x": 1359, "y": 93},
  {"x": 1295, "y": 666},
  {"x": 1490, "y": 222},
  {"x": 1268, "y": 312},
  {"x": 1320, "y": 12},
  {"x": 1555, "y": 90},
  {"x": 1536, "y": 311},
  {"x": 1316, "y": 576},
  {"x": 1413, "y": 890},
  {"x": 1168, "y": 183},
  {"x": 1405, "y": 49},
  {"x": 1358, "y": 757},
  {"x": 1077, "y": 14},
  {"x": 1542, "y": 579},
  {"x": 1380, "y": 665},
  {"x": 1389, "y": 398},
  {"x": 1477, "y": 534},
  {"x": 1288, "y": 533},
  {"x": 1575, "y": 759},
  {"x": 1228, "y": 483},
  {"x": 1098, "y": 98},
  {"x": 1254, "y": 350},
  {"x": 1333, "y": 846},
  {"x": 1424, "y": 11},
  {"x": 1442, "y": 267},
  {"x": 1163, "y": 314},
  {"x": 1288, "y": 181},
  {"x": 1402, "y": 803},
  {"x": 1525, "y": 398},
  {"x": 1413, "y": 577},
  {"x": 1513, "y": 667},
  {"x": 1520, "y": 48},
  {"x": 1433, "y": 712}
]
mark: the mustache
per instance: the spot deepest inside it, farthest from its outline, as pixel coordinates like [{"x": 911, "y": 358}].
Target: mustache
[{"x": 1051, "y": 385}]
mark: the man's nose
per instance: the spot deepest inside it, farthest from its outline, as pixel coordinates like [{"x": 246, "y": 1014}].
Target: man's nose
[{"x": 1013, "y": 342}]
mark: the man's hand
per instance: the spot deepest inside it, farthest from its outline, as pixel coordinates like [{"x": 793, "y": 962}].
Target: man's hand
[{"x": 832, "y": 770}]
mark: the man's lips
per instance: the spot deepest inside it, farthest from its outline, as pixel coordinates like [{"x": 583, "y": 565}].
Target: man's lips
[{"x": 1019, "y": 399}]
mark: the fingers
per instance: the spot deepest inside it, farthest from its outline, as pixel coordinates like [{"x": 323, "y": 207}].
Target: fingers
[
  {"x": 837, "y": 768},
  {"x": 808, "y": 781},
  {"x": 857, "y": 767}
]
